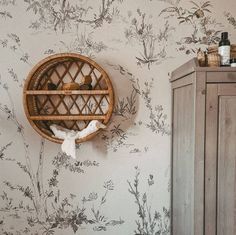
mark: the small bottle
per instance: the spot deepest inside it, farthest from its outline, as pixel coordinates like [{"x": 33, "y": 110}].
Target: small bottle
[
  {"x": 224, "y": 49},
  {"x": 233, "y": 62}
]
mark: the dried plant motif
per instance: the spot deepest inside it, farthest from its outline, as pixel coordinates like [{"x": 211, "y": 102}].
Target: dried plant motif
[
  {"x": 116, "y": 137},
  {"x": 56, "y": 15},
  {"x": 14, "y": 77},
  {"x": 7, "y": 2},
  {"x": 126, "y": 106},
  {"x": 105, "y": 14},
  {"x": 13, "y": 42},
  {"x": 157, "y": 119},
  {"x": 188, "y": 15},
  {"x": 61, "y": 214},
  {"x": 153, "y": 44},
  {"x": 36, "y": 193},
  {"x": 148, "y": 223},
  {"x": 65, "y": 215},
  {"x": 4, "y": 13},
  {"x": 231, "y": 19},
  {"x": 85, "y": 45},
  {"x": 100, "y": 219},
  {"x": 205, "y": 29},
  {"x": 8, "y": 205},
  {"x": 61, "y": 15},
  {"x": 3, "y": 149}
]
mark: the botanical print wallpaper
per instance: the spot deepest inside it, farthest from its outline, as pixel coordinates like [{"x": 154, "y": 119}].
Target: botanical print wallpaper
[{"x": 120, "y": 182}]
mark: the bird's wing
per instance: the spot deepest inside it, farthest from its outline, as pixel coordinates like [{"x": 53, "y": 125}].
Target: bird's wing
[
  {"x": 93, "y": 126},
  {"x": 100, "y": 125}
]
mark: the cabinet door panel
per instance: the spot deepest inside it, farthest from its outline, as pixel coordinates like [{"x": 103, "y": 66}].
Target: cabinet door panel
[
  {"x": 183, "y": 161},
  {"x": 220, "y": 160},
  {"x": 226, "y": 211}
]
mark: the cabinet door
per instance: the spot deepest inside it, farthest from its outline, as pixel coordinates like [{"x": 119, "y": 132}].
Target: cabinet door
[
  {"x": 183, "y": 161},
  {"x": 220, "y": 160}
]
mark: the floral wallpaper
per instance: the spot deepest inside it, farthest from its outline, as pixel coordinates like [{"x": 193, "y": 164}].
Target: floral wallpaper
[{"x": 120, "y": 182}]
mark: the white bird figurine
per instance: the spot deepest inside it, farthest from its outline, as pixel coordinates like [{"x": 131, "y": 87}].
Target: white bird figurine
[{"x": 69, "y": 136}]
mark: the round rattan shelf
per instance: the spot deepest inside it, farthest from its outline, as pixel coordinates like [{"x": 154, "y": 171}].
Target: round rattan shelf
[{"x": 72, "y": 109}]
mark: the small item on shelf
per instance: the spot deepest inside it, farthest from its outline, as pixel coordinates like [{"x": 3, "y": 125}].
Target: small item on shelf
[
  {"x": 224, "y": 49},
  {"x": 233, "y": 62},
  {"x": 70, "y": 86},
  {"x": 233, "y": 51},
  {"x": 86, "y": 87},
  {"x": 213, "y": 60},
  {"x": 201, "y": 56},
  {"x": 86, "y": 83},
  {"x": 50, "y": 86},
  {"x": 86, "y": 80},
  {"x": 212, "y": 49}
]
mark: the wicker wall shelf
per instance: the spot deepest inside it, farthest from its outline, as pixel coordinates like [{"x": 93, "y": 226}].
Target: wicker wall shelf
[{"x": 72, "y": 109}]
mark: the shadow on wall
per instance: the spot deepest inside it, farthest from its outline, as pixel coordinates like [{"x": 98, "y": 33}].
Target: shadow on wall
[{"x": 124, "y": 113}]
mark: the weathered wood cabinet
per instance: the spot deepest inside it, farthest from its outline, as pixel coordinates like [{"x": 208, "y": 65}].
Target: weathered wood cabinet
[{"x": 203, "y": 150}]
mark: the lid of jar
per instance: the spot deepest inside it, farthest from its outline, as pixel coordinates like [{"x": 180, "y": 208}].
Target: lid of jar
[{"x": 233, "y": 60}]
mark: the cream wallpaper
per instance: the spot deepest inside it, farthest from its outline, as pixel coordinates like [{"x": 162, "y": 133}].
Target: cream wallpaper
[{"x": 120, "y": 182}]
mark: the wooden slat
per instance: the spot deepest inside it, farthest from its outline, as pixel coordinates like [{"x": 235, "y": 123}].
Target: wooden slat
[
  {"x": 221, "y": 77},
  {"x": 67, "y": 92},
  {"x": 68, "y": 117},
  {"x": 199, "y": 150},
  {"x": 215, "y": 69},
  {"x": 211, "y": 159},
  {"x": 227, "y": 89},
  {"x": 185, "y": 81},
  {"x": 184, "y": 70},
  {"x": 172, "y": 161}
]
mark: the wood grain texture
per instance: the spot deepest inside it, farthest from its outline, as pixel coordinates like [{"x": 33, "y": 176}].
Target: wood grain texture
[
  {"x": 187, "y": 80},
  {"x": 221, "y": 76},
  {"x": 226, "y": 216},
  {"x": 183, "y": 161},
  {"x": 199, "y": 151},
  {"x": 227, "y": 89},
  {"x": 211, "y": 159}
]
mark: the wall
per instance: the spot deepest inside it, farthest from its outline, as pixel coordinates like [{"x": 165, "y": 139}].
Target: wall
[{"x": 119, "y": 183}]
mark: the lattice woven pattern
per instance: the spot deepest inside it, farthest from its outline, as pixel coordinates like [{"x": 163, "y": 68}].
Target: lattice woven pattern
[{"x": 72, "y": 109}]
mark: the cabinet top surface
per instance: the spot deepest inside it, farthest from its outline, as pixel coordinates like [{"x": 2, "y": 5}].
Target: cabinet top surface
[{"x": 193, "y": 66}]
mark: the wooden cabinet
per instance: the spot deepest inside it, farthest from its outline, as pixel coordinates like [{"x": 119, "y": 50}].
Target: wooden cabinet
[{"x": 203, "y": 150}]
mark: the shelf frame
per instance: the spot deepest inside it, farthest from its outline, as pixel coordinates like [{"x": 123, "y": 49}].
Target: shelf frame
[{"x": 67, "y": 92}]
